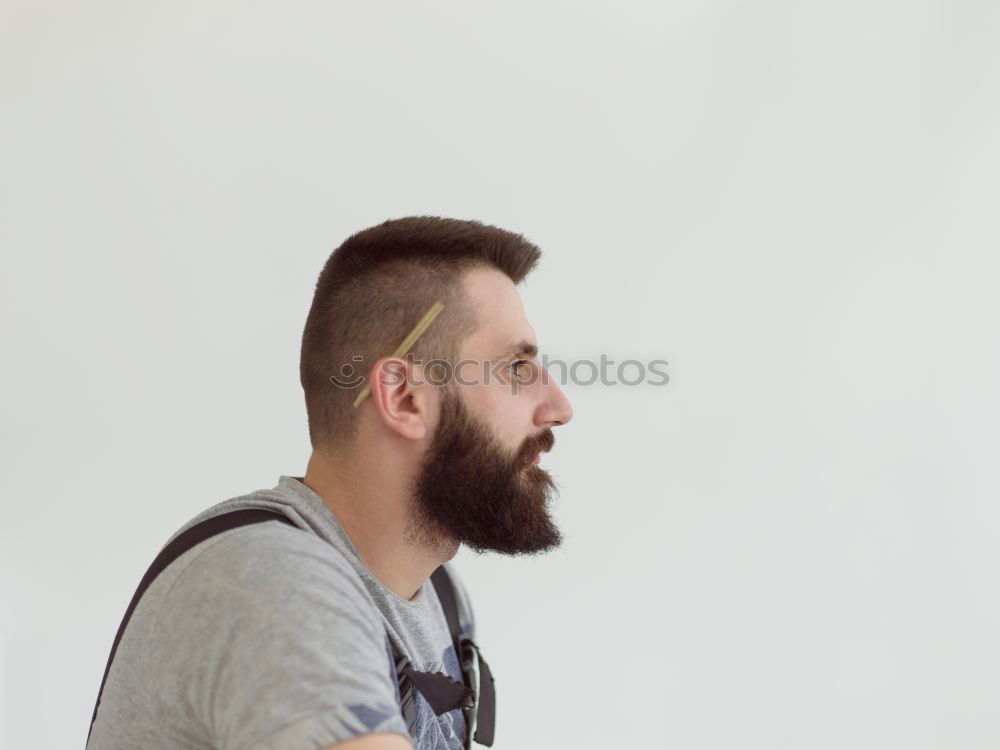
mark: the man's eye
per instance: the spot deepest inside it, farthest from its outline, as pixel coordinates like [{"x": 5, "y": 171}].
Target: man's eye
[{"x": 516, "y": 364}]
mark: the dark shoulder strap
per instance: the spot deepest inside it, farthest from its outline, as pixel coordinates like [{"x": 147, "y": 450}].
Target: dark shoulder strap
[
  {"x": 449, "y": 602},
  {"x": 178, "y": 546}
]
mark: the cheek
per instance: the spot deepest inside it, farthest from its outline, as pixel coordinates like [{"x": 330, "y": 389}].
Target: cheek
[
  {"x": 507, "y": 414},
  {"x": 513, "y": 422}
]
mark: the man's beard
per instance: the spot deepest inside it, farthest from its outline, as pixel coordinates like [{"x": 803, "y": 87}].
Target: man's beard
[{"x": 473, "y": 490}]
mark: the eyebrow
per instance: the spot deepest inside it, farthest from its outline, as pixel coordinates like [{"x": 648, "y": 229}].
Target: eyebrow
[{"x": 522, "y": 347}]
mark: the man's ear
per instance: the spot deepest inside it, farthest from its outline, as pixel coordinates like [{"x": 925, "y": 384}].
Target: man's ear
[{"x": 400, "y": 397}]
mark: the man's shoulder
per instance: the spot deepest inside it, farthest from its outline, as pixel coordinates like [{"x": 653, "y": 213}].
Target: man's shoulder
[
  {"x": 271, "y": 567},
  {"x": 265, "y": 630},
  {"x": 260, "y": 500},
  {"x": 271, "y": 544}
]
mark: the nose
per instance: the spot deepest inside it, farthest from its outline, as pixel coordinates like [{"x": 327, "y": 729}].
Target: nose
[{"x": 555, "y": 408}]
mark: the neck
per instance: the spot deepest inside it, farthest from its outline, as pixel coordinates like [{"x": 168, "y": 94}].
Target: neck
[{"x": 370, "y": 494}]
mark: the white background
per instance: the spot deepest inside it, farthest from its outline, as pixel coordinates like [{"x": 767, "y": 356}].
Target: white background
[{"x": 792, "y": 545}]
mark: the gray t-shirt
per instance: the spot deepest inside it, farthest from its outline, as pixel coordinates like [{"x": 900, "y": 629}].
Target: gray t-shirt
[{"x": 267, "y": 638}]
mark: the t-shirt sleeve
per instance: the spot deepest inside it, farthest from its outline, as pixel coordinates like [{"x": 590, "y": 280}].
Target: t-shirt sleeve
[{"x": 268, "y": 641}]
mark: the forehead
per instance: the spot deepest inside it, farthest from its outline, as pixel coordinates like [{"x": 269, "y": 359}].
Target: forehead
[{"x": 502, "y": 321}]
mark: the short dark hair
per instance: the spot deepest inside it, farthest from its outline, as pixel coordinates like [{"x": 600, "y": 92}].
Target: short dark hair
[{"x": 374, "y": 289}]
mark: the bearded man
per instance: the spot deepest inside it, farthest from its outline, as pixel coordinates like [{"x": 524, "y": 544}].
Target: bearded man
[{"x": 301, "y": 635}]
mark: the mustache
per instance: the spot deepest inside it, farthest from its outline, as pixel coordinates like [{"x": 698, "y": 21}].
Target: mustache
[{"x": 540, "y": 443}]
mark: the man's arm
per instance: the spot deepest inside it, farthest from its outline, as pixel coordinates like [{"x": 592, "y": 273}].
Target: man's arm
[{"x": 385, "y": 741}]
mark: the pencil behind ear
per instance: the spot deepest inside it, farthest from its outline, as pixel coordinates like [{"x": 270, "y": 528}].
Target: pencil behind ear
[{"x": 407, "y": 343}]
